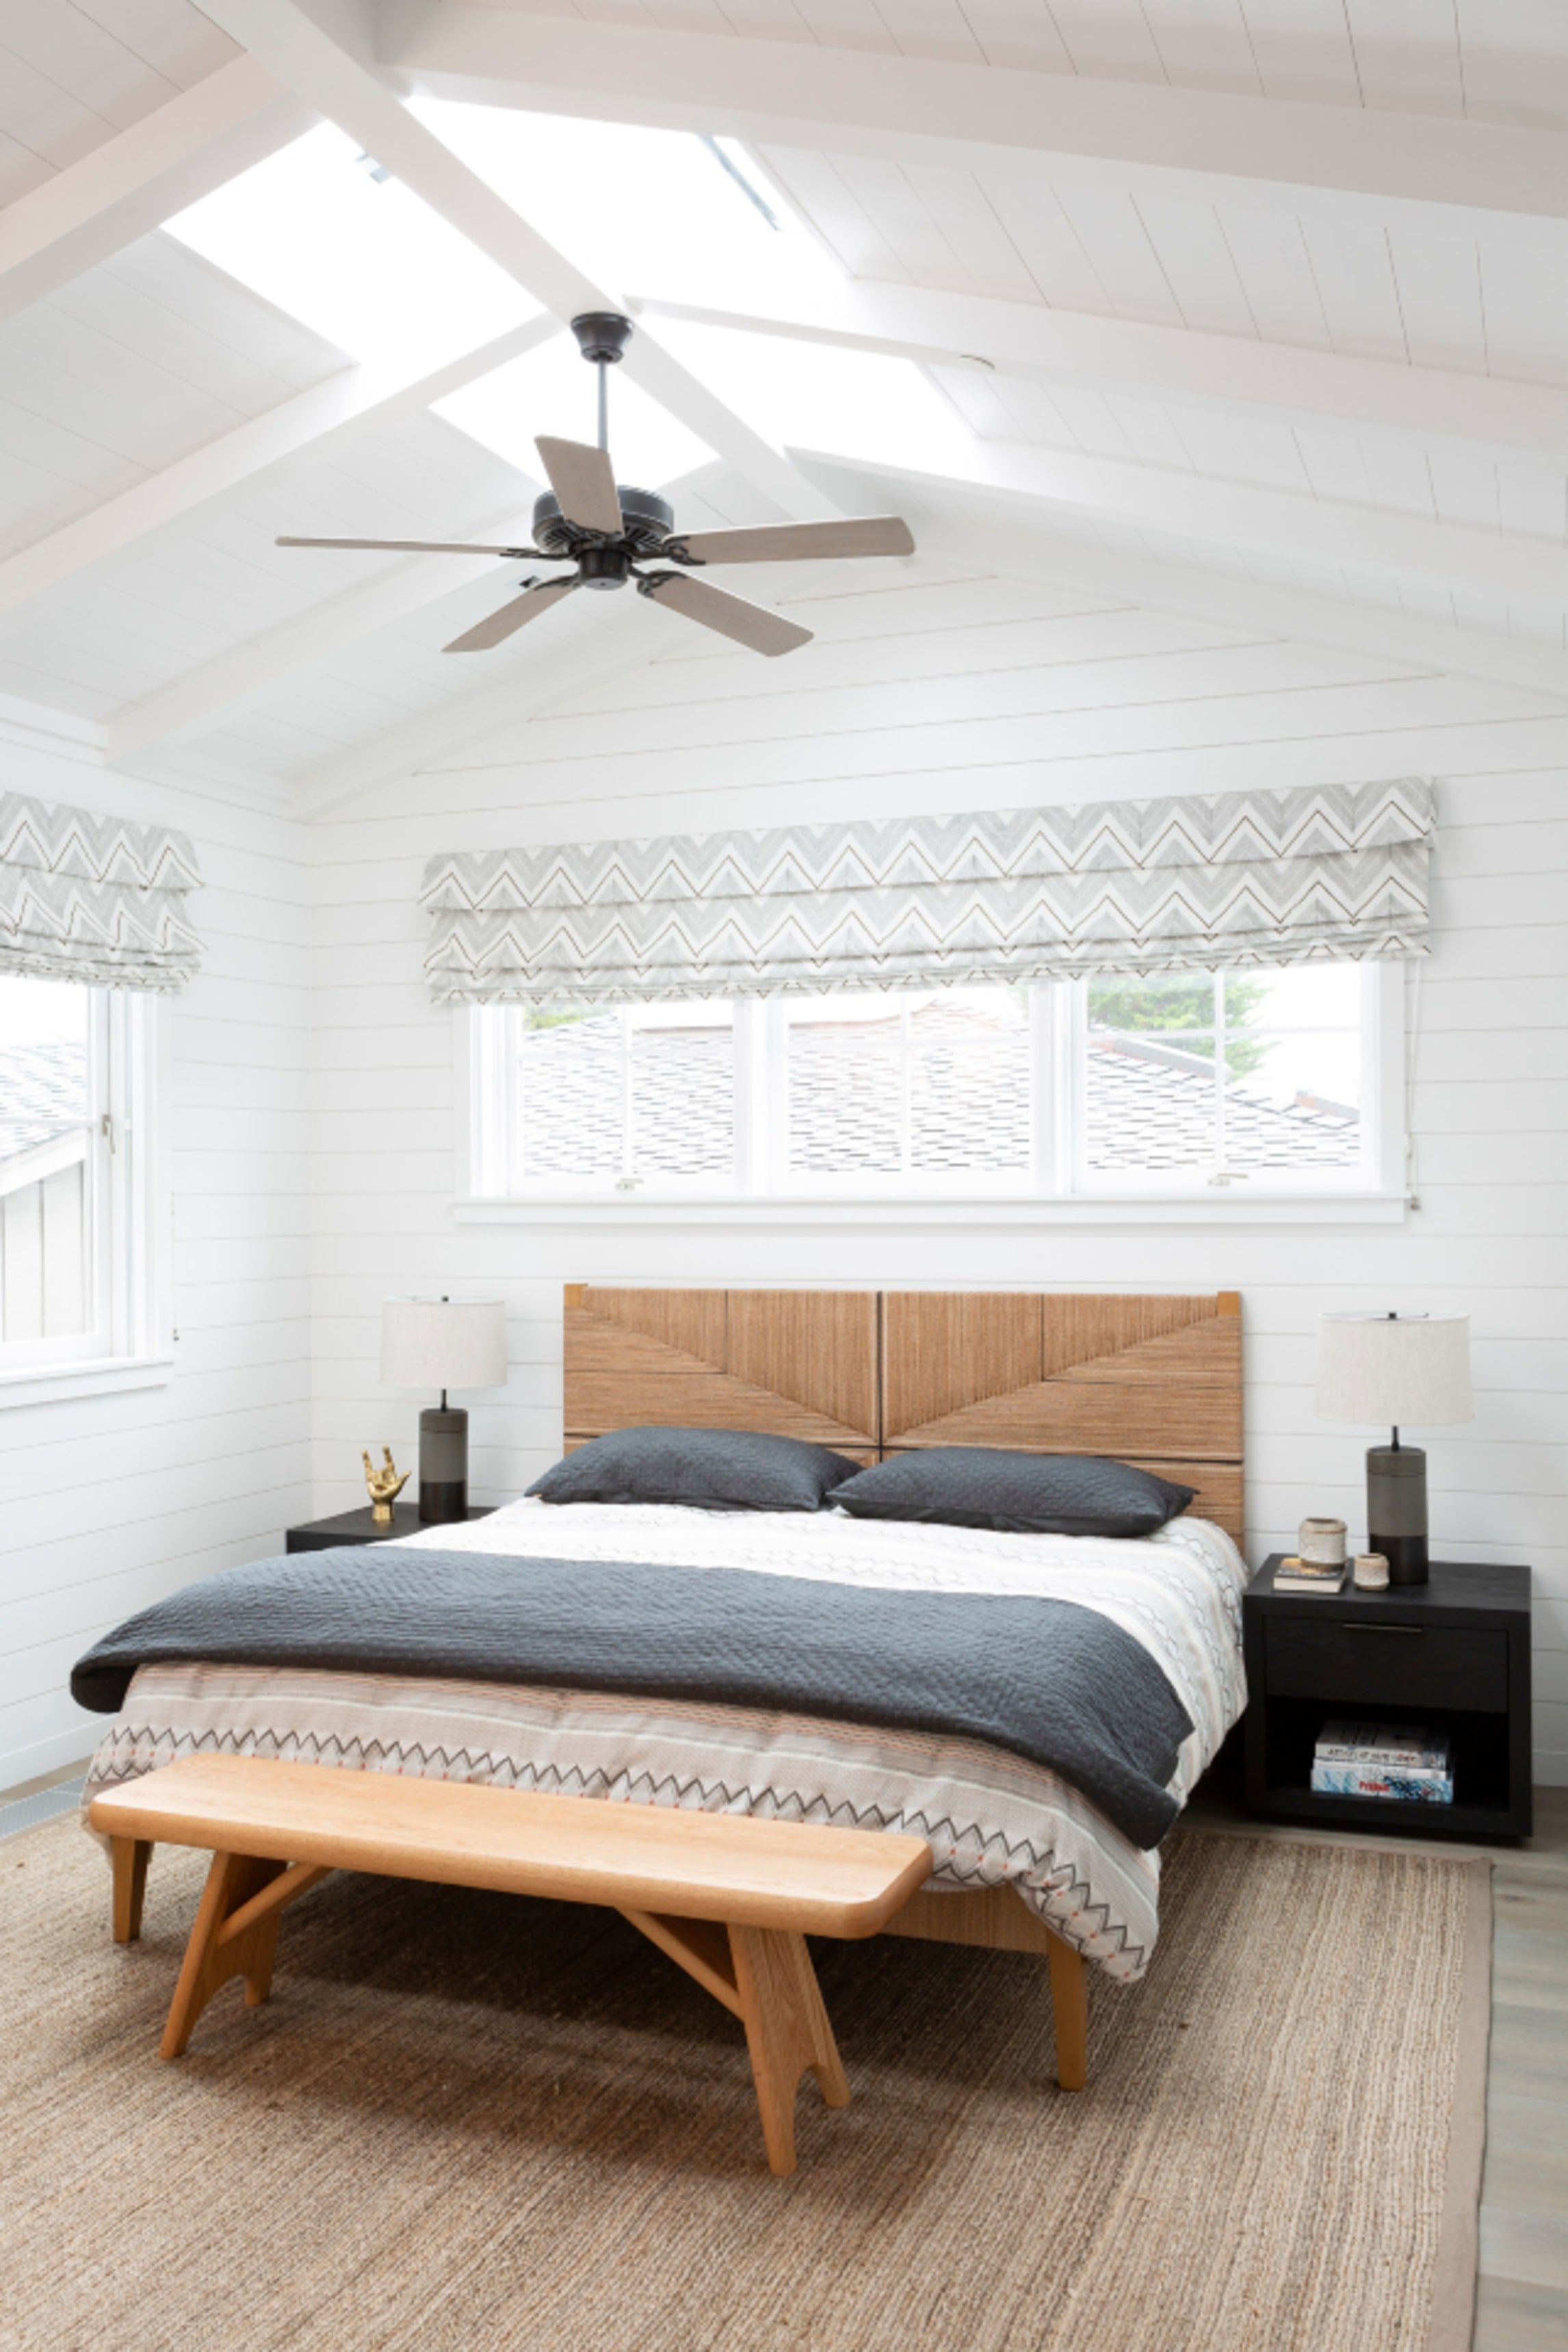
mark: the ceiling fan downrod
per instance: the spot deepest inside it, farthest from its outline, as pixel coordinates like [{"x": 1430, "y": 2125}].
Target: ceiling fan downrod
[{"x": 602, "y": 337}]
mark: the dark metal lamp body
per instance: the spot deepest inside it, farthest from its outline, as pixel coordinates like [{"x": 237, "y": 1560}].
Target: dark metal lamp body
[
  {"x": 443, "y": 1463},
  {"x": 1396, "y": 1508}
]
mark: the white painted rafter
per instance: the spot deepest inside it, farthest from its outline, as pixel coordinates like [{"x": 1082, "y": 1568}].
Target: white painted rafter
[
  {"x": 1377, "y": 399},
  {"x": 95, "y": 207},
  {"x": 228, "y": 468},
  {"x": 1431, "y": 171},
  {"x": 326, "y": 54},
  {"x": 217, "y": 692},
  {"x": 1243, "y": 515},
  {"x": 602, "y": 646},
  {"x": 1421, "y": 645}
]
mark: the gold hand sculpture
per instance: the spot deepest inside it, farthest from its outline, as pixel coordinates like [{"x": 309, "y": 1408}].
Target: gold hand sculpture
[{"x": 383, "y": 1485}]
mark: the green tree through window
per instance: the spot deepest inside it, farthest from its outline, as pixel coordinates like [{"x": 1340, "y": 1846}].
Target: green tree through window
[{"x": 1184, "y": 1002}]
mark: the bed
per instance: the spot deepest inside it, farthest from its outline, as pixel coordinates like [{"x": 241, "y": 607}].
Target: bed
[{"x": 1022, "y": 1856}]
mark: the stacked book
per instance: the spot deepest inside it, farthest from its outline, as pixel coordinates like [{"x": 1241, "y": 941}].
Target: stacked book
[
  {"x": 1297, "y": 1575},
  {"x": 1397, "y": 1760}
]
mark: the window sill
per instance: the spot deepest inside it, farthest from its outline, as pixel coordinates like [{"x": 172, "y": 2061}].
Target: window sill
[
  {"x": 979, "y": 1210},
  {"x": 56, "y": 1384}
]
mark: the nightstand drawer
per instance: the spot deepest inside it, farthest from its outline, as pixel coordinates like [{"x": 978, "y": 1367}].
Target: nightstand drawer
[{"x": 1371, "y": 1660}]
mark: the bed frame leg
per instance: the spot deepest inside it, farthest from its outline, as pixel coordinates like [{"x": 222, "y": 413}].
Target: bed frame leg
[
  {"x": 129, "y": 1858},
  {"x": 1070, "y": 2001}
]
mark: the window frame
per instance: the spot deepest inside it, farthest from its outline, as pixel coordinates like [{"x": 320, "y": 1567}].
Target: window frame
[
  {"x": 129, "y": 1344},
  {"x": 1057, "y": 1188}
]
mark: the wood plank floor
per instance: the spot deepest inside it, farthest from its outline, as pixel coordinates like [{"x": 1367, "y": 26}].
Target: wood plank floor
[{"x": 1523, "y": 2304}]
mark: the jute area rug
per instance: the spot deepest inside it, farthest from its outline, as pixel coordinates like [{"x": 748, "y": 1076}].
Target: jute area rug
[{"x": 466, "y": 2122}]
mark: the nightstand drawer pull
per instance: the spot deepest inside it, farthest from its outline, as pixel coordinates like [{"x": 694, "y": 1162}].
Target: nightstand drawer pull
[{"x": 1352, "y": 1627}]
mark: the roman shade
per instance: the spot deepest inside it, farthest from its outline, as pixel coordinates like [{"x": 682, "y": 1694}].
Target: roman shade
[
  {"x": 94, "y": 899},
  {"x": 1321, "y": 874}
]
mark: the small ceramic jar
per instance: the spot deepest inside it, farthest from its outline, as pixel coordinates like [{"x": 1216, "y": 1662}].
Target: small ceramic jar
[
  {"x": 1371, "y": 1572},
  {"x": 1322, "y": 1542}
]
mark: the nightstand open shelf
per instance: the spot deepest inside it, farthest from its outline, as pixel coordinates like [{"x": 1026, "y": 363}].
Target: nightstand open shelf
[{"x": 1452, "y": 1656}]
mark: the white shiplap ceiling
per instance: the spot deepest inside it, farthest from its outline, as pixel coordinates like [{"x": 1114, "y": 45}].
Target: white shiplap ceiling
[{"x": 1225, "y": 293}]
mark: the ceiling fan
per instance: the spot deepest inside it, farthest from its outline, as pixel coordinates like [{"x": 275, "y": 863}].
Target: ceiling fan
[{"x": 609, "y": 533}]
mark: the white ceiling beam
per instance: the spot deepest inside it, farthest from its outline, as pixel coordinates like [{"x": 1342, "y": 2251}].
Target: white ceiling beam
[
  {"x": 325, "y": 53},
  {"x": 1374, "y": 398},
  {"x": 1422, "y": 645},
  {"x": 1434, "y": 171},
  {"x": 227, "y": 469},
  {"x": 600, "y": 646},
  {"x": 95, "y": 207},
  {"x": 1241, "y": 515},
  {"x": 217, "y": 692}
]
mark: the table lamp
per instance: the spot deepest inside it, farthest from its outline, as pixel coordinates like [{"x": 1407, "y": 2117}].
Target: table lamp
[
  {"x": 1395, "y": 1368},
  {"x": 443, "y": 1343}
]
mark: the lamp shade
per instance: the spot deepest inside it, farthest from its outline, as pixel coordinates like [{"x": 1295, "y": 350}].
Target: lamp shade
[
  {"x": 443, "y": 1343},
  {"x": 1395, "y": 1370}
]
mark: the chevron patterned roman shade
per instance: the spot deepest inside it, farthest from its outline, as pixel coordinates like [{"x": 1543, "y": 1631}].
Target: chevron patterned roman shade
[
  {"x": 94, "y": 899},
  {"x": 1330, "y": 872}
]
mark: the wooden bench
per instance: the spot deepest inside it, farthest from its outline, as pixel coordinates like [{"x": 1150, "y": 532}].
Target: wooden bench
[{"x": 730, "y": 1898}]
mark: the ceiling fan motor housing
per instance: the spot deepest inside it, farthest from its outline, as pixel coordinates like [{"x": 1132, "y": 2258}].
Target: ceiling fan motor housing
[{"x": 649, "y": 520}]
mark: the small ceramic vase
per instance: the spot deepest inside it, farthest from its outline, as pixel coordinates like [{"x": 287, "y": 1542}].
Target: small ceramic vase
[
  {"x": 1371, "y": 1572},
  {"x": 1322, "y": 1542}
]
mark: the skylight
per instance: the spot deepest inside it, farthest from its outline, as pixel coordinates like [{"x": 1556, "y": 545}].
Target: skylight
[
  {"x": 847, "y": 404},
  {"x": 634, "y": 206},
  {"x": 359, "y": 259}
]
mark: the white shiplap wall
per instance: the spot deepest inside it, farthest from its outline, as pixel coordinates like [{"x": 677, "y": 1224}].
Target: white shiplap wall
[
  {"x": 939, "y": 693},
  {"x": 109, "y": 1502}
]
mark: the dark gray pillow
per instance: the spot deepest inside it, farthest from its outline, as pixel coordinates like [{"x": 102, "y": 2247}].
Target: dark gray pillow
[
  {"x": 1017, "y": 1494},
  {"x": 711, "y": 1469}
]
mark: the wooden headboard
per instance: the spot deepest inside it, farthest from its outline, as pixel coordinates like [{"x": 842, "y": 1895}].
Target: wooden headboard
[{"x": 1149, "y": 1379}]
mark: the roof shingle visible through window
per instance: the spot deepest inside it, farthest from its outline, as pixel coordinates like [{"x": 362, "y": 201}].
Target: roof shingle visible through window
[
  {"x": 1151, "y": 1107},
  {"x": 43, "y": 1092}
]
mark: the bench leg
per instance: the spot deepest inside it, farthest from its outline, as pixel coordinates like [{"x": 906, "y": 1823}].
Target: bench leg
[
  {"x": 786, "y": 2031},
  {"x": 211, "y": 1958},
  {"x": 1070, "y": 2001},
  {"x": 129, "y": 1858}
]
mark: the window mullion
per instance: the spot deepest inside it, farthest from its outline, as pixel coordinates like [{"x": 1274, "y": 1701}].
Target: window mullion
[
  {"x": 750, "y": 1094},
  {"x": 1221, "y": 1045}
]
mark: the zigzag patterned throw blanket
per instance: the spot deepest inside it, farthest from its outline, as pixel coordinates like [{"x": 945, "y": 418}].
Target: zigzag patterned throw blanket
[{"x": 1060, "y": 1685}]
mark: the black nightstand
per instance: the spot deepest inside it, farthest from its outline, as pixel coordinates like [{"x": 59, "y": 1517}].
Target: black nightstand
[
  {"x": 359, "y": 1528},
  {"x": 1453, "y": 1654}
]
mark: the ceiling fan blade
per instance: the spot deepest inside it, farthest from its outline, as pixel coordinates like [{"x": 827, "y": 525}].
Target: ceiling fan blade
[
  {"x": 750, "y": 625},
  {"x": 792, "y": 542},
  {"x": 583, "y": 481},
  {"x": 409, "y": 546},
  {"x": 509, "y": 617}
]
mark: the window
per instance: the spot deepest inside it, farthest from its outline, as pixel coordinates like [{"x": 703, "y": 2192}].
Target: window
[
  {"x": 76, "y": 1272},
  {"x": 1192, "y": 1085}
]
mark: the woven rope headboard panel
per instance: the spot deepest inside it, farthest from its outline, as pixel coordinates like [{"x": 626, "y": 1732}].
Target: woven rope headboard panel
[{"x": 1151, "y": 1378}]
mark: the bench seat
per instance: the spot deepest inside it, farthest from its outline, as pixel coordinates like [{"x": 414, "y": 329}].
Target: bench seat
[{"x": 731, "y": 1898}]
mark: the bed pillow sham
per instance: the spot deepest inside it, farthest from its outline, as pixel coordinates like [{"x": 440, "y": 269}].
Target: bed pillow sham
[
  {"x": 708, "y": 1469},
  {"x": 1015, "y": 1494}
]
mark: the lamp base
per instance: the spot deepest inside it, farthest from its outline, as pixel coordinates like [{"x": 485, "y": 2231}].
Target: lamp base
[
  {"x": 1396, "y": 1510},
  {"x": 443, "y": 1464}
]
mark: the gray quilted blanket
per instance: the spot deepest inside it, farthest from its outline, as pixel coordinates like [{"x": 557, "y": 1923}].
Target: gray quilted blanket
[{"x": 1045, "y": 1679}]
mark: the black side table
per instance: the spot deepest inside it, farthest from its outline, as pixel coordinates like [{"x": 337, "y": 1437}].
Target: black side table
[
  {"x": 360, "y": 1528},
  {"x": 1453, "y": 1654}
]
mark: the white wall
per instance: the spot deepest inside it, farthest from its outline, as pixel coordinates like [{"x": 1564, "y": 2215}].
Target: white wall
[
  {"x": 109, "y": 1502},
  {"x": 947, "y": 694}
]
